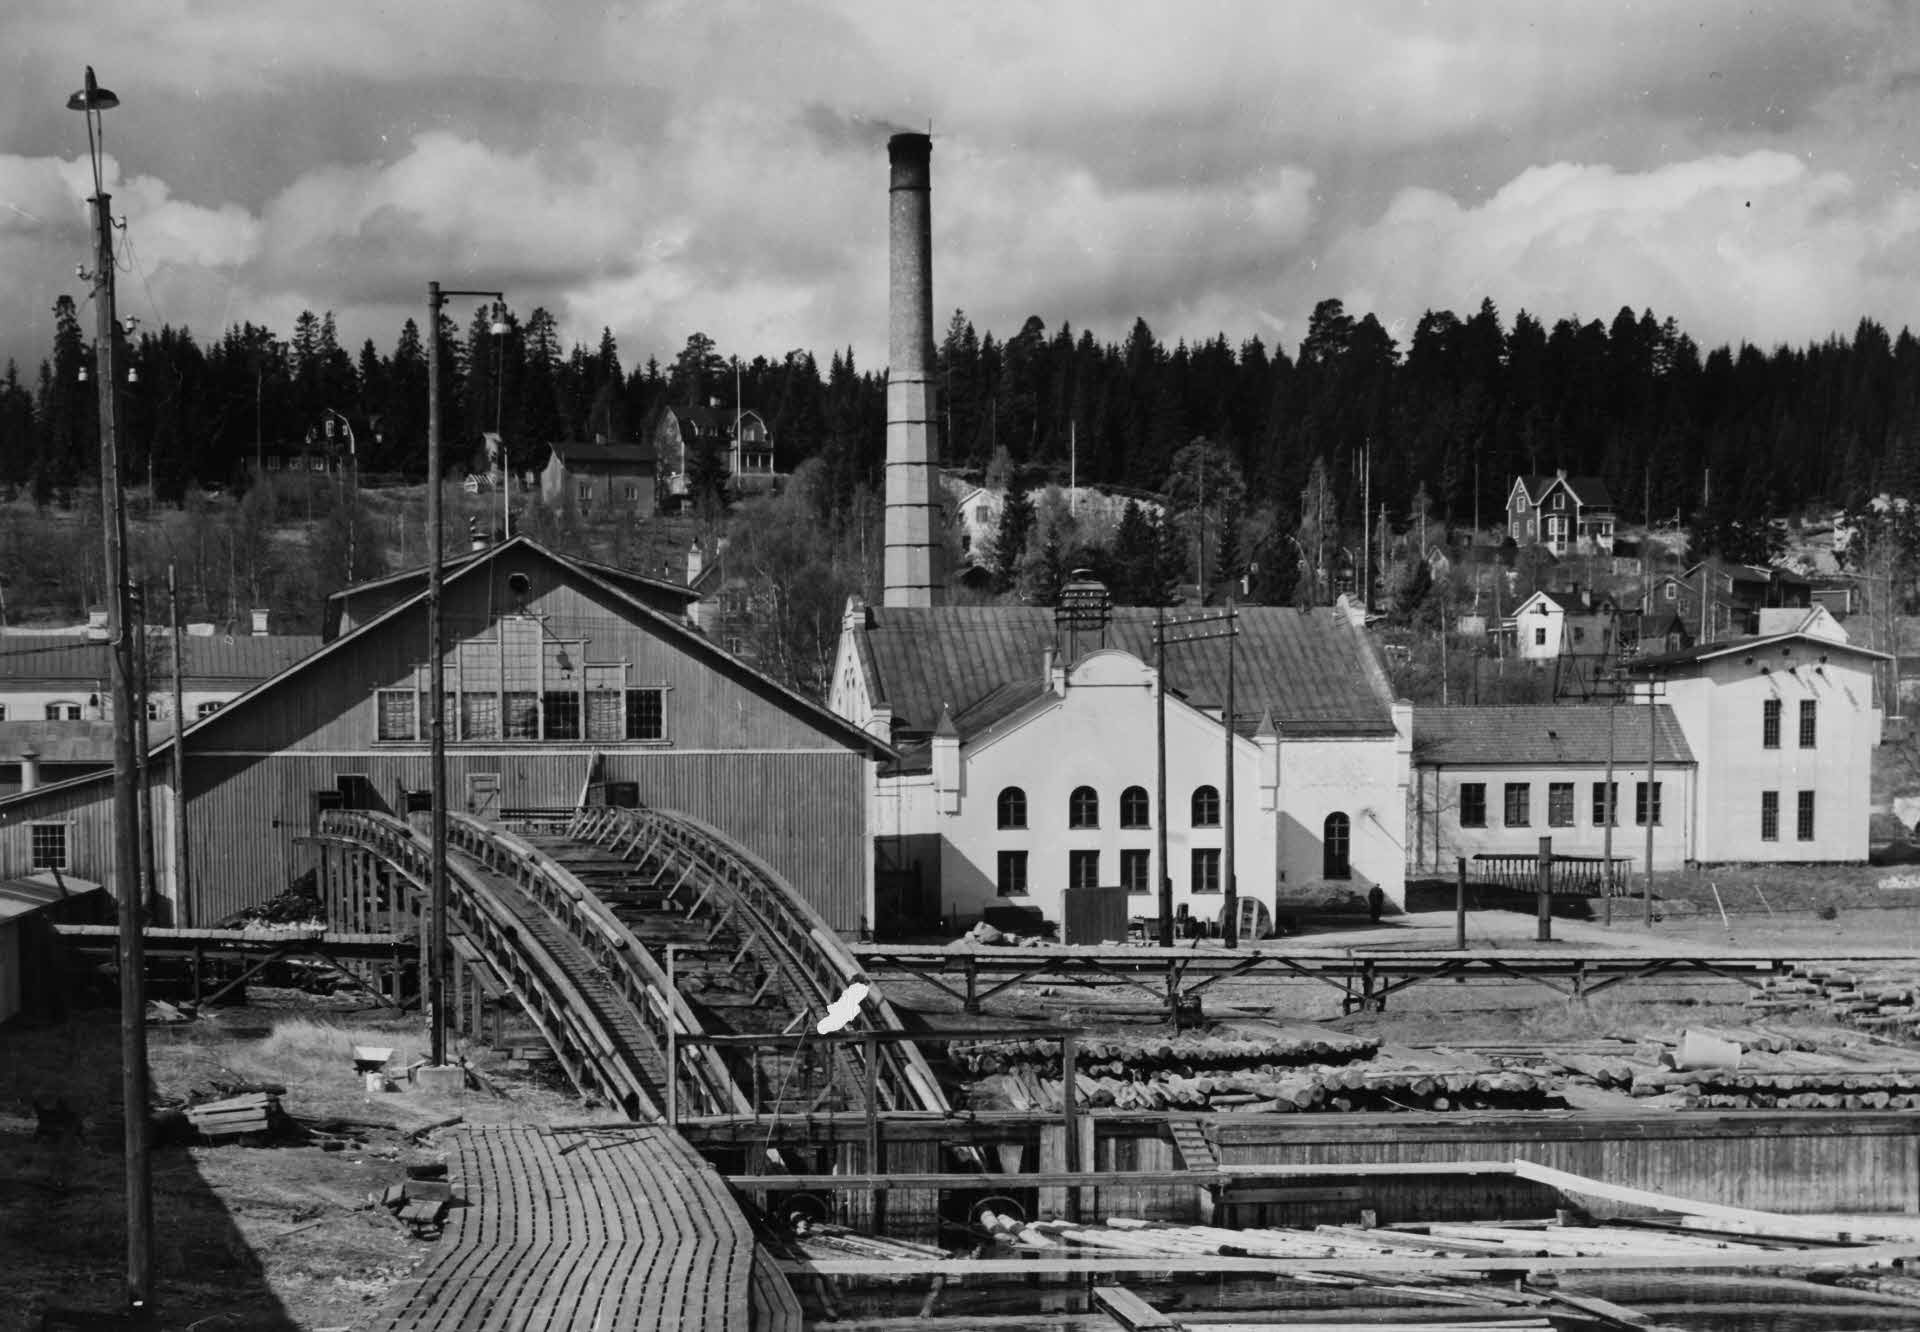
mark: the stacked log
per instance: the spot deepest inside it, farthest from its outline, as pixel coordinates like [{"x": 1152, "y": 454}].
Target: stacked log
[
  {"x": 1123, "y": 1055},
  {"x": 1277, "y": 1089},
  {"x": 1872, "y": 996}
]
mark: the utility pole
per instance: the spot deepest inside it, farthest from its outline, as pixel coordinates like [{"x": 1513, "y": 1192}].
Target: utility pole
[
  {"x": 1606, "y": 836},
  {"x": 143, "y": 775},
  {"x": 1196, "y": 629},
  {"x": 1653, "y": 761},
  {"x": 92, "y": 100},
  {"x": 1366, "y": 535},
  {"x": 437, "y": 688},
  {"x": 183, "y": 878},
  {"x": 1160, "y": 762}
]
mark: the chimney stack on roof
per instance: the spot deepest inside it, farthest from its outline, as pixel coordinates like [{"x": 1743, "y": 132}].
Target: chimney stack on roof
[{"x": 910, "y": 575}]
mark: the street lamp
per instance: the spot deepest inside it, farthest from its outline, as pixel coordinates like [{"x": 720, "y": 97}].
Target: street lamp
[
  {"x": 91, "y": 101},
  {"x": 436, "y": 687}
]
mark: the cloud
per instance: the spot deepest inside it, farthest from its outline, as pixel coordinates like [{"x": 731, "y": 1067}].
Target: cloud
[{"x": 1758, "y": 247}]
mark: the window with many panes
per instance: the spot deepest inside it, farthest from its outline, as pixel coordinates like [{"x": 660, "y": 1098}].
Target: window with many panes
[
  {"x": 1559, "y": 804},
  {"x": 396, "y": 714},
  {"x": 1770, "y": 724},
  {"x": 1519, "y": 804},
  {"x": 48, "y": 844},
  {"x": 1809, "y": 723},
  {"x": 523, "y": 714},
  {"x": 208, "y": 708},
  {"x": 646, "y": 714},
  {"x": 1134, "y": 871},
  {"x": 1606, "y": 804},
  {"x": 1473, "y": 804},
  {"x": 1206, "y": 807},
  {"x": 1769, "y": 816},
  {"x": 63, "y": 712},
  {"x": 1011, "y": 808},
  {"x": 1206, "y": 869},
  {"x": 560, "y": 714},
  {"x": 1804, "y": 826},
  {"x": 1083, "y": 808},
  {"x": 1133, "y": 808},
  {"x": 1640, "y": 810},
  {"x": 1011, "y": 878},
  {"x": 1083, "y": 869}
]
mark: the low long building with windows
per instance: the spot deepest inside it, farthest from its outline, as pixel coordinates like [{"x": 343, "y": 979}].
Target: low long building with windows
[{"x": 1495, "y": 780}]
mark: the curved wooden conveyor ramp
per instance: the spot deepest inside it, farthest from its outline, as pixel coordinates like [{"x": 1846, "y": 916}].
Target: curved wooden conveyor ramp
[{"x": 576, "y": 921}]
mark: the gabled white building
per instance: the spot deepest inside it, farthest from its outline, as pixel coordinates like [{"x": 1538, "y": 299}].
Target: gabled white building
[{"x": 1029, "y": 757}]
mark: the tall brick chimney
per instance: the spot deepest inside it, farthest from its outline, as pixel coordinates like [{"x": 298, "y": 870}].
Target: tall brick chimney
[{"x": 910, "y": 569}]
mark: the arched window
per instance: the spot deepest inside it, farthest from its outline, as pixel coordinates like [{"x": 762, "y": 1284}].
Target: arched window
[
  {"x": 1133, "y": 808},
  {"x": 1336, "y": 844},
  {"x": 1013, "y": 808},
  {"x": 1206, "y": 807},
  {"x": 1083, "y": 808}
]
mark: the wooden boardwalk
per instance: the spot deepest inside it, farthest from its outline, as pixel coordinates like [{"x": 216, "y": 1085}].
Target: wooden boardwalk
[{"x": 604, "y": 1228}]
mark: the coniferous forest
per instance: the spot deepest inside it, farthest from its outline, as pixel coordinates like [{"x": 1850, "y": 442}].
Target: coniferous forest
[{"x": 1448, "y": 412}]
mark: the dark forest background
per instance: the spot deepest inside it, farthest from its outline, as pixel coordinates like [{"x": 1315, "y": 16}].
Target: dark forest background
[{"x": 1264, "y": 458}]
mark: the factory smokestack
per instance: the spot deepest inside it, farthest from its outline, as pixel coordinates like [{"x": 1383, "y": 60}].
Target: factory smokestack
[{"x": 910, "y": 564}]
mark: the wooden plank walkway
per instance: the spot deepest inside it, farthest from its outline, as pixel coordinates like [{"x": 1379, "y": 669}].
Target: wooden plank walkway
[{"x": 589, "y": 1229}]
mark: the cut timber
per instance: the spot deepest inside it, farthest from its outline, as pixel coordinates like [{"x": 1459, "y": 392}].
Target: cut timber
[
  {"x": 1130, "y": 1311},
  {"x": 1748, "y": 1221}
]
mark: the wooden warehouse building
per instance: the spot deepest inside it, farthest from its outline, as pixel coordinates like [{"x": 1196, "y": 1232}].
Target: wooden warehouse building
[{"x": 558, "y": 673}]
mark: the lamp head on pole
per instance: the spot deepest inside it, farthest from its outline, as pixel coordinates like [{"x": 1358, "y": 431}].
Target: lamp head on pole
[{"x": 92, "y": 97}]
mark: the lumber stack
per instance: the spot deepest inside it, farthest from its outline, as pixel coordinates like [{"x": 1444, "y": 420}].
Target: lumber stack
[
  {"x": 823, "y": 1239},
  {"x": 248, "y": 1114},
  {"x": 1778, "y": 1070}
]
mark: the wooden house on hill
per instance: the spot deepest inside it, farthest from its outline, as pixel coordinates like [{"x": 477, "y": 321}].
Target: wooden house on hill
[
  {"x": 599, "y": 478},
  {"x": 739, "y": 436},
  {"x": 1568, "y": 515},
  {"x": 557, "y": 673}
]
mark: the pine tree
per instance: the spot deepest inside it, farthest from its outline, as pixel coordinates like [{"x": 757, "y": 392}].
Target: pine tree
[{"x": 1010, "y": 541}]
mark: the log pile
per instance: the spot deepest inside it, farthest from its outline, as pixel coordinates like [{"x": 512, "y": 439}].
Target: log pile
[
  {"x": 1777, "y": 1070},
  {"x": 1120, "y": 1055},
  {"x": 1872, "y": 996},
  {"x": 1270, "y": 1075},
  {"x": 254, "y": 1113}
]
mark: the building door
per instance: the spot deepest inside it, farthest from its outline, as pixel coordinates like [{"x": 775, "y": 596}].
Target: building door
[{"x": 483, "y": 795}]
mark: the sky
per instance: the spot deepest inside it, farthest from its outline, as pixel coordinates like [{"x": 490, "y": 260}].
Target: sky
[{"x": 1750, "y": 169}]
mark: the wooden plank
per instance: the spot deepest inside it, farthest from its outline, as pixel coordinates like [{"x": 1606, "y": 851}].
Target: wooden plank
[
  {"x": 1773, "y": 1224},
  {"x": 1799, "y": 1260},
  {"x": 1224, "y": 1175},
  {"x": 1130, "y": 1311}
]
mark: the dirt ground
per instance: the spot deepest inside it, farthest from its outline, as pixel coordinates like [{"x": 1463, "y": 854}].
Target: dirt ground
[
  {"x": 251, "y": 1238},
  {"x": 246, "y": 1238}
]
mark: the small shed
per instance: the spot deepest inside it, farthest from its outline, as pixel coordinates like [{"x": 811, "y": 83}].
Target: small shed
[{"x": 30, "y": 964}]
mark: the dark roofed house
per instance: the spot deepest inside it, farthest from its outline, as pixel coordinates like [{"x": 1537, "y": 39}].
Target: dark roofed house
[
  {"x": 1566, "y": 514},
  {"x": 599, "y": 477}
]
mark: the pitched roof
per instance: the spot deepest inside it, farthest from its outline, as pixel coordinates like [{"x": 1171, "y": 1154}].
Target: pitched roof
[
  {"x": 1728, "y": 647},
  {"x": 585, "y": 451},
  {"x": 1316, "y": 672},
  {"x": 454, "y": 563},
  {"x": 215, "y": 657},
  {"x": 64, "y": 741},
  {"x": 1543, "y": 734},
  {"x": 1589, "y": 491}
]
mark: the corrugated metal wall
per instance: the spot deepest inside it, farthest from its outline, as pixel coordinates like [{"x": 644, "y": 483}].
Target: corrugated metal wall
[{"x": 1816, "y": 1162}]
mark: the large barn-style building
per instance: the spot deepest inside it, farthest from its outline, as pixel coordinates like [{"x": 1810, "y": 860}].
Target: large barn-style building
[{"x": 559, "y": 673}]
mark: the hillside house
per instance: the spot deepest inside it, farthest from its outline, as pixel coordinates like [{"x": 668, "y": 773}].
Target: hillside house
[
  {"x": 599, "y": 478},
  {"x": 556, "y": 676},
  {"x": 1028, "y": 757},
  {"x": 1567, "y": 515},
  {"x": 740, "y": 435},
  {"x": 1719, "y": 599}
]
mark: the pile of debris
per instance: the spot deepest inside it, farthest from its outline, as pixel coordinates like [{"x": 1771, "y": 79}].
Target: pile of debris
[
  {"x": 254, "y": 1113},
  {"x": 422, "y": 1199},
  {"x": 1293, "y": 1071}
]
